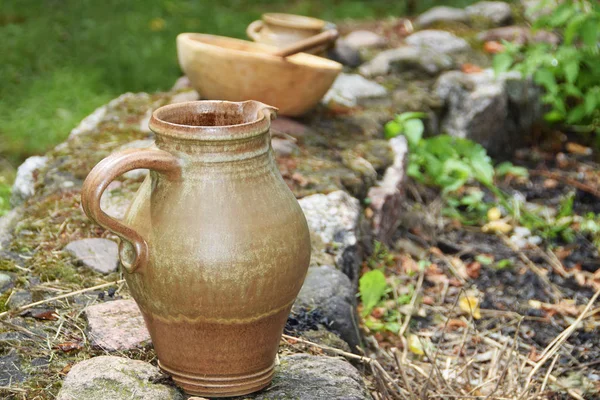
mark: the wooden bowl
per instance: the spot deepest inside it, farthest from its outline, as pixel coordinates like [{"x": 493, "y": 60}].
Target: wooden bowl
[{"x": 222, "y": 68}]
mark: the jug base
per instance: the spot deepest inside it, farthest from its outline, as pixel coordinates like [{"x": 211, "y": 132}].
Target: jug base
[{"x": 220, "y": 386}]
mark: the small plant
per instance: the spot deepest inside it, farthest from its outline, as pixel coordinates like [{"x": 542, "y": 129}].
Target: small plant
[
  {"x": 408, "y": 124},
  {"x": 569, "y": 72}
]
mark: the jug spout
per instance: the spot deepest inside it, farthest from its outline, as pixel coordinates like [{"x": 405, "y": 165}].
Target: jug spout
[{"x": 258, "y": 110}]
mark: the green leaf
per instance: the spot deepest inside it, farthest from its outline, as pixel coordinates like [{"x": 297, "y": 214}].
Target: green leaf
[
  {"x": 573, "y": 27},
  {"x": 413, "y": 130},
  {"x": 483, "y": 259},
  {"x": 576, "y": 115},
  {"x": 455, "y": 174},
  {"x": 502, "y": 63},
  {"x": 589, "y": 33},
  {"x": 371, "y": 286},
  {"x": 507, "y": 167},
  {"x": 393, "y": 327},
  {"x": 545, "y": 77},
  {"x": 505, "y": 263},
  {"x": 410, "y": 115},
  {"x": 590, "y": 102},
  {"x": 392, "y": 129},
  {"x": 562, "y": 14},
  {"x": 571, "y": 71},
  {"x": 554, "y": 116},
  {"x": 483, "y": 170}
]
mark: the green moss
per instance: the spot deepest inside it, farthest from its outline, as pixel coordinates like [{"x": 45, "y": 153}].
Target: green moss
[
  {"x": 3, "y": 300},
  {"x": 8, "y": 265}
]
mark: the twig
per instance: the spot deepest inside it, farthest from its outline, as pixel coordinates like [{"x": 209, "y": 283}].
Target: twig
[
  {"x": 62, "y": 296},
  {"x": 534, "y": 268},
  {"x": 366, "y": 360},
  {"x": 411, "y": 306},
  {"x": 567, "y": 180}
]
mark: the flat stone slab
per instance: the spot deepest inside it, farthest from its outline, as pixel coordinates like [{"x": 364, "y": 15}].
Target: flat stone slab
[
  {"x": 350, "y": 89},
  {"x": 115, "y": 378},
  {"x": 497, "y": 12},
  {"x": 100, "y": 255},
  {"x": 306, "y": 377},
  {"x": 117, "y": 325},
  {"x": 23, "y": 188},
  {"x": 441, "y": 14},
  {"x": 439, "y": 41}
]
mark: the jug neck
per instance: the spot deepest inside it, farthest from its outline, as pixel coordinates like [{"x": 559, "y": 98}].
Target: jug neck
[{"x": 214, "y": 131}]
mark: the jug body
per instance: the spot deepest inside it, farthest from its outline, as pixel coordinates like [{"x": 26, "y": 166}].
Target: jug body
[{"x": 227, "y": 248}]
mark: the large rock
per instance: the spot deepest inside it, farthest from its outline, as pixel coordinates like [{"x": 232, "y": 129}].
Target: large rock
[
  {"x": 100, "y": 255},
  {"x": 330, "y": 292},
  {"x": 386, "y": 197},
  {"x": 306, "y": 377},
  {"x": 407, "y": 58},
  {"x": 497, "y": 12},
  {"x": 441, "y": 14},
  {"x": 11, "y": 371},
  {"x": 345, "y": 54},
  {"x": 496, "y": 112},
  {"x": 334, "y": 219},
  {"x": 117, "y": 325},
  {"x": 364, "y": 39},
  {"x": 23, "y": 188},
  {"x": 116, "y": 378},
  {"x": 351, "y": 90},
  {"x": 7, "y": 223},
  {"x": 439, "y": 41}
]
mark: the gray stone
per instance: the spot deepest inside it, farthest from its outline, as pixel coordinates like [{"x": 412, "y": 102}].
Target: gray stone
[
  {"x": 284, "y": 147},
  {"x": 518, "y": 34},
  {"x": 115, "y": 378},
  {"x": 23, "y": 188},
  {"x": 7, "y": 224},
  {"x": 345, "y": 54},
  {"x": 188, "y": 95},
  {"x": 334, "y": 219},
  {"x": 115, "y": 202},
  {"x": 19, "y": 298},
  {"x": 306, "y": 377},
  {"x": 117, "y": 325},
  {"x": 351, "y": 90},
  {"x": 407, "y": 58},
  {"x": 439, "y": 41},
  {"x": 497, "y": 12},
  {"x": 183, "y": 82},
  {"x": 288, "y": 126},
  {"x": 10, "y": 369},
  {"x": 441, "y": 14},
  {"x": 5, "y": 281},
  {"x": 329, "y": 291},
  {"x": 364, "y": 39},
  {"x": 386, "y": 197},
  {"x": 326, "y": 338},
  {"x": 497, "y": 112},
  {"x": 100, "y": 255}
]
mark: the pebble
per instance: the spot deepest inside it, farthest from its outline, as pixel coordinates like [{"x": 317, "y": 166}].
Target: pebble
[{"x": 100, "y": 255}]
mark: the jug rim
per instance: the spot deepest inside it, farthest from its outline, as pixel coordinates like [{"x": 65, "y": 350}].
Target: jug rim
[
  {"x": 205, "y": 120},
  {"x": 296, "y": 21}
]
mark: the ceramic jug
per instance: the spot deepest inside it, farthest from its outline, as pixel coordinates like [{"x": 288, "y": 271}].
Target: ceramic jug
[{"x": 215, "y": 246}]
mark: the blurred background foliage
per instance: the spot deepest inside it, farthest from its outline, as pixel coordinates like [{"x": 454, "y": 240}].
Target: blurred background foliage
[{"x": 63, "y": 58}]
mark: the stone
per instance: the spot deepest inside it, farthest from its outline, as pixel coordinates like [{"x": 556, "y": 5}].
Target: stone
[
  {"x": 326, "y": 338},
  {"x": 345, "y": 54},
  {"x": 117, "y": 325},
  {"x": 334, "y": 220},
  {"x": 183, "y": 82},
  {"x": 19, "y": 298},
  {"x": 11, "y": 371},
  {"x": 307, "y": 377},
  {"x": 116, "y": 378},
  {"x": 114, "y": 201},
  {"x": 329, "y": 291},
  {"x": 290, "y": 127},
  {"x": 497, "y": 112},
  {"x": 5, "y": 281},
  {"x": 23, "y": 188},
  {"x": 284, "y": 147},
  {"x": 188, "y": 95},
  {"x": 100, "y": 255},
  {"x": 441, "y": 14},
  {"x": 7, "y": 224},
  {"x": 407, "y": 58},
  {"x": 497, "y": 12},
  {"x": 439, "y": 41},
  {"x": 351, "y": 90},
  {"x": 519, "y": 35},
  {"x": 364, "y": 39},
  {"x": 386, "y": 197}
]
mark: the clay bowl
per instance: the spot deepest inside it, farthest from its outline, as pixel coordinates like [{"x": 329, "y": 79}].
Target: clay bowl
[
  {"x": 280, "y": 29},
  {"x": 222, "y": 68}
]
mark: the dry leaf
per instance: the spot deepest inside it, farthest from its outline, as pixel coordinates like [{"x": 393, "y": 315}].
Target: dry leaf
[
  {"x": 497, "y": 226},
  {"x": 473, "y": 269},
  {"x": 494, "y": 214},
  {"x": 470, "y": 305},
  {"x": 48, "y": 315},
  {"x": 578, "y": 149},
  {"x": 493, "y": 47},
  {"x": 469, "y": 68},
  {"x": 414, "y": 345},
  {"x": 68, "y": 346},
  {"x": 455, "y": 323}
]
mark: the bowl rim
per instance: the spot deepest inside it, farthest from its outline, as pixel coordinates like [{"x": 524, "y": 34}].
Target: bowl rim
[
  {"x": 293, "y": 21},
  {"x": 300, "y": 59}
]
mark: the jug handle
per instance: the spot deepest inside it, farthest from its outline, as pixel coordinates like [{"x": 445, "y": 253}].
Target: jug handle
[
  {"x": 104, "y": 173},
  {"x": 253, "y": 30}
]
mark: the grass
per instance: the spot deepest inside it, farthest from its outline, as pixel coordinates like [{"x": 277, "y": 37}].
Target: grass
[{"x": 62, "y": 59}]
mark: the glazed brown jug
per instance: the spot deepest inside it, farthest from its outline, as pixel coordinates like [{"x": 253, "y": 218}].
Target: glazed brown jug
[{"x": 214, "y": 247}]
